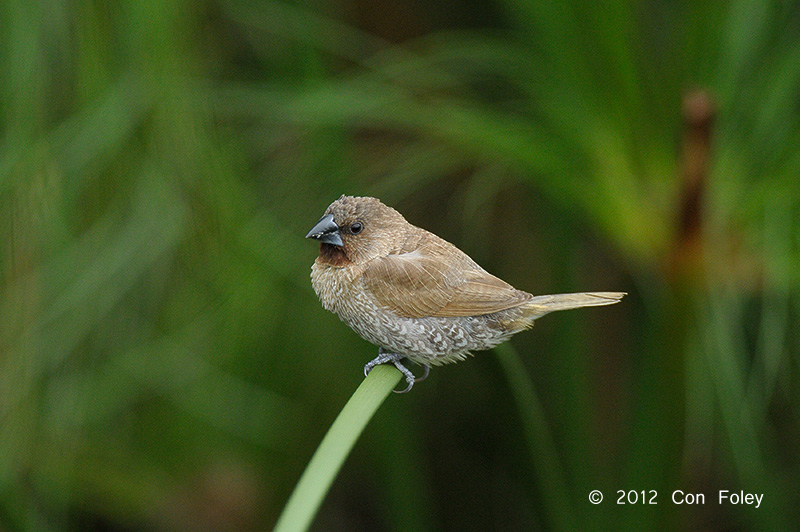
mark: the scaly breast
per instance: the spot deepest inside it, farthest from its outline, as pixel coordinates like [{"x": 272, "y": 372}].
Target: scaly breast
[
  {"x": 334, "y": 286},
  {"x": 340, "y": 290}
]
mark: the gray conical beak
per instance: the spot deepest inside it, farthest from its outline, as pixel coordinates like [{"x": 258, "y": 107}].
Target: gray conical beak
[{"x": 326, "y": 231}]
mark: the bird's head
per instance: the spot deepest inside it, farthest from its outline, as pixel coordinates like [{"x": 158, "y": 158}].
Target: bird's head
[{"x": 357, "y": 230}]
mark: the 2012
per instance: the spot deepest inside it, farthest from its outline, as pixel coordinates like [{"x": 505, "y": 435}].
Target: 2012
[{"x": 637, "y": 497}]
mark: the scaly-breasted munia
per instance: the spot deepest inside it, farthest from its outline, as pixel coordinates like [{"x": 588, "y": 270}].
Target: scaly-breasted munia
[{"x": 415, "y": 295}]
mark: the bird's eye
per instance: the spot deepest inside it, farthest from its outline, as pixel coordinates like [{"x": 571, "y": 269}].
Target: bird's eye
[{"x": 356, "y": 228}]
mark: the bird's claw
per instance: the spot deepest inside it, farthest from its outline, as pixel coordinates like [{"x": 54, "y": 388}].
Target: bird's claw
[{"x": 396, "y": 360}]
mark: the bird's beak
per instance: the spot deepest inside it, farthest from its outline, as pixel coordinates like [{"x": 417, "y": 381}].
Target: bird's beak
[{"x": 326, "y": 231}]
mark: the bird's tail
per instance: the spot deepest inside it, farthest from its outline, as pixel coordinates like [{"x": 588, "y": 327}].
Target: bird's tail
[{"x": 538, "y": 306}]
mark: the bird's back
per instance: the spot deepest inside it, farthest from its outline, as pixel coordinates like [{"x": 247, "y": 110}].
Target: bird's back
[{"x": 426, "y": 276}]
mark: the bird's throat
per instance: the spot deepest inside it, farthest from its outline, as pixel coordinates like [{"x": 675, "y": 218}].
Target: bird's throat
[{"x": 333, "y": 255}]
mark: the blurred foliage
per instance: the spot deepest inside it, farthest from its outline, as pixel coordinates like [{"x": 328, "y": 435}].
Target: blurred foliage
[{"x": 165, "y": 365}]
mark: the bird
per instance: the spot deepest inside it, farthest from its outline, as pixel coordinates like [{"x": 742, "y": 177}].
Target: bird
[{"x": 415, "y": 295}]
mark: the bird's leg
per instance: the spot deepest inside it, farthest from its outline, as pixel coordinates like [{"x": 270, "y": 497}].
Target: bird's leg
[{"x": 396, "y": 359}]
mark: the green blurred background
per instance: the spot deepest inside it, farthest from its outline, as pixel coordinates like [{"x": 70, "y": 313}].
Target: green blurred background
[{"x": 165, "y": 364}]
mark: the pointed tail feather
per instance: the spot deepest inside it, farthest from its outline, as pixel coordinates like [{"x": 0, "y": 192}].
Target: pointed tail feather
[{"x": 541, "y": 305}]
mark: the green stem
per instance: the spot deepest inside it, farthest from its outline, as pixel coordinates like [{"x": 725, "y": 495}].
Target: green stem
[
  {"x": 334, "y": 448},
  {"x": 544, "y": 454}
]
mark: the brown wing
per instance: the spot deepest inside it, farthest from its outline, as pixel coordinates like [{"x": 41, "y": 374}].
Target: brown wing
[{"x": 438, "y": 279}]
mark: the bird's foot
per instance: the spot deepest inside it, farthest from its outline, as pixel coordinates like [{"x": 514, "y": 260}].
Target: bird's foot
[{"x": 396, "y": 359}]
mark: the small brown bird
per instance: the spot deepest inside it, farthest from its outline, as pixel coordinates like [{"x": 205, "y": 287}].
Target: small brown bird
[{"x": 415, "y": 295}]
